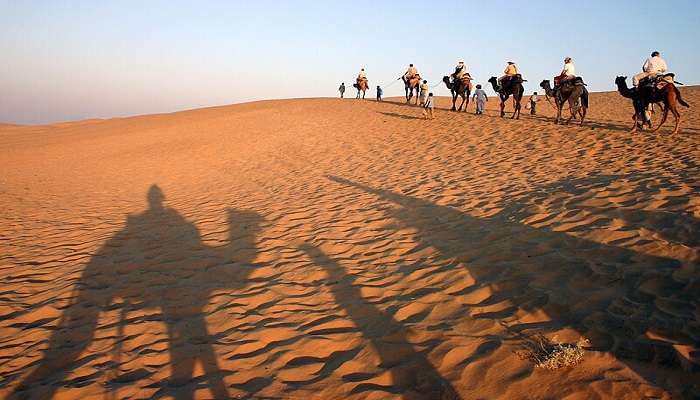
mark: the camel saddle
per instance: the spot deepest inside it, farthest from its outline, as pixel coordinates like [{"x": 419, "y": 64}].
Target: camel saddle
[
  {"x": 466, "y": 80},
  {"x": 658, "y": 81},
  {"x": 517, "y": 78},
  {"x": 577, "y": 81},
  {"x": 511, "y": 80}
]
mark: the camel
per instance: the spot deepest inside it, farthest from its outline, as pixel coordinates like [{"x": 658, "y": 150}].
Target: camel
[
  {"x": 621, "y": 83},
  {"x": 571, "y": 93},
  {"x": 513, "y": 87},
  {"x": 362, "y": 85},
  {"x": 643, "y": 96},
  {"x": 410, "y": 85},
  {"x": 460, "y": 88}
]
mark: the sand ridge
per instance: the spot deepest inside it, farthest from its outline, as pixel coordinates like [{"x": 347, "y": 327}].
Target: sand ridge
[{"x": 327, "y": 248}]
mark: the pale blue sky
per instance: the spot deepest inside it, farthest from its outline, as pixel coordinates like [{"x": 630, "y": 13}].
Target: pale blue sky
[{"x": 66, "y": 60}]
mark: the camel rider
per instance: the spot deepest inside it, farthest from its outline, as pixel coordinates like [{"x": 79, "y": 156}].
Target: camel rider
[
  {"x": 361, "y": 76},
  {"x": 653, "y": 66},
  {"x": 461, "y": 70},
  {"x": 567, "y": 74},
  {"x": 510, "y": 71},
  {"x": 410, "y": 72}
]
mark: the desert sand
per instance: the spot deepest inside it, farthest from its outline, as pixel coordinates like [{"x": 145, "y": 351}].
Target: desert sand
[{"x": 347, "y": 249}]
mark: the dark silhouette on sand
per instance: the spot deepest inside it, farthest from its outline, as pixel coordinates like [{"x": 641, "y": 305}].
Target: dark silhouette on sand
[
  {"x": 612, "y": 295},
  {"x": 157, "y": 261},
  {"x": 411, "y": 371}
]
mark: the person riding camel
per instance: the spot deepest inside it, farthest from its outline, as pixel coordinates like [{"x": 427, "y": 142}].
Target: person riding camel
[
  {"x": 361, "y": 76},
  {"x": 411, "y": 72},
  {"x": 653, "y": 66},
  {"x": 510, "y": 71},
  {"x": 461, "y": 71},
  {"x": 567, "y": 74}
]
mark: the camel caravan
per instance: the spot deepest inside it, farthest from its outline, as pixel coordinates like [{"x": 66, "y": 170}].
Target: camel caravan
[{"x": 653, "y": 87}]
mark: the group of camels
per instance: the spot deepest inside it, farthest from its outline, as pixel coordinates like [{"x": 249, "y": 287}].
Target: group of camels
[{"x": 662, "y": 92}]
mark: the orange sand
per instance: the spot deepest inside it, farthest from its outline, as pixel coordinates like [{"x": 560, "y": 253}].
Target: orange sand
[{"x": 344, "y": 249}]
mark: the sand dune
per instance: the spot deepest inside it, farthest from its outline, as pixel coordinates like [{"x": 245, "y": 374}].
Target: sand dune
[{"x": 332, "y": 249}]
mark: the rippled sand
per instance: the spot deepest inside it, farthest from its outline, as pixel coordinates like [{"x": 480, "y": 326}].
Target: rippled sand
[{"x": 343, "y": 249}]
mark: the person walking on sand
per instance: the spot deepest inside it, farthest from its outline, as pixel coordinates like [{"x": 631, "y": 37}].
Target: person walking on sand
[
  {"x": 428, "y": 107},
  {"x": 533, "y": 103},
  {"x": 481, "y": 99},
  {"x": 424, "y": 92},
  {"x": 341, "y": 89},
  {"x": 380, "y": 93}
]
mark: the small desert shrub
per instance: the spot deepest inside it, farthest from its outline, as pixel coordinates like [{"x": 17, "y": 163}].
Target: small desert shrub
[{"x": 553, "y": 354}]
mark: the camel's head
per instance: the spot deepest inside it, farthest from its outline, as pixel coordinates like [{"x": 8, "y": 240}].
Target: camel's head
[
  {"x": 493, "y": 79},
  {"x": 446, "y": 79},
  {"x": 545, "y": 84},
  {"x": 621, "y": 80}
]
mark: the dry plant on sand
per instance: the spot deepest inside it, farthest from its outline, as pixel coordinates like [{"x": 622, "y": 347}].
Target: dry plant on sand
[{"x": 553, "y": 354}]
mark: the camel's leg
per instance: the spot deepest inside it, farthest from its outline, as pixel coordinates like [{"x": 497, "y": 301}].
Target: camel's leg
[
  {"x": 502, "y": 107},
  {"x": 460, "y": 106},
  {"x": 559, "y": 111},
  {"x": 573, "y": 109},
  {"x": 663, "y": 119},
  {"x": 676, "y": 114},
  {"x": 635, "y": 119},
  {"x": 582, "y": 113}
]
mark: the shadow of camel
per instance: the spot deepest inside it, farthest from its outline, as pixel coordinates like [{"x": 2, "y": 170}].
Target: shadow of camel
[
  {"x": 415, "y": 376},
  {"x": 635, "y": 305},
  {"x": 156, "y": 261},
  {"x": 397, "y": 115}
]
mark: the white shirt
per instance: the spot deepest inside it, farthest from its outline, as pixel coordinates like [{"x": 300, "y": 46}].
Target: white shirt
[
  {"x": 361, "y": 75},
  {"x": 569, "y": 69},
  {"x": 654, "y": 65}
]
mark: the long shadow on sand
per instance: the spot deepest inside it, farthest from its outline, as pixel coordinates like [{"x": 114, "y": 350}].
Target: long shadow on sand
[
  {"x": 157, "y": 261},
  {"x": 397, "y": 115},
  {"x": 412, "y": 374},
  {"x": 635, "y": 305}
]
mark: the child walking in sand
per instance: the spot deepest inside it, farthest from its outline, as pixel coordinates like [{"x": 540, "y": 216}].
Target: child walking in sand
[
  {"x": 428, "y": 107},
  {"x": 380, "y": 92},
  {"x": 533, "y": 103},
  {"x": 481, "y": 99}
]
